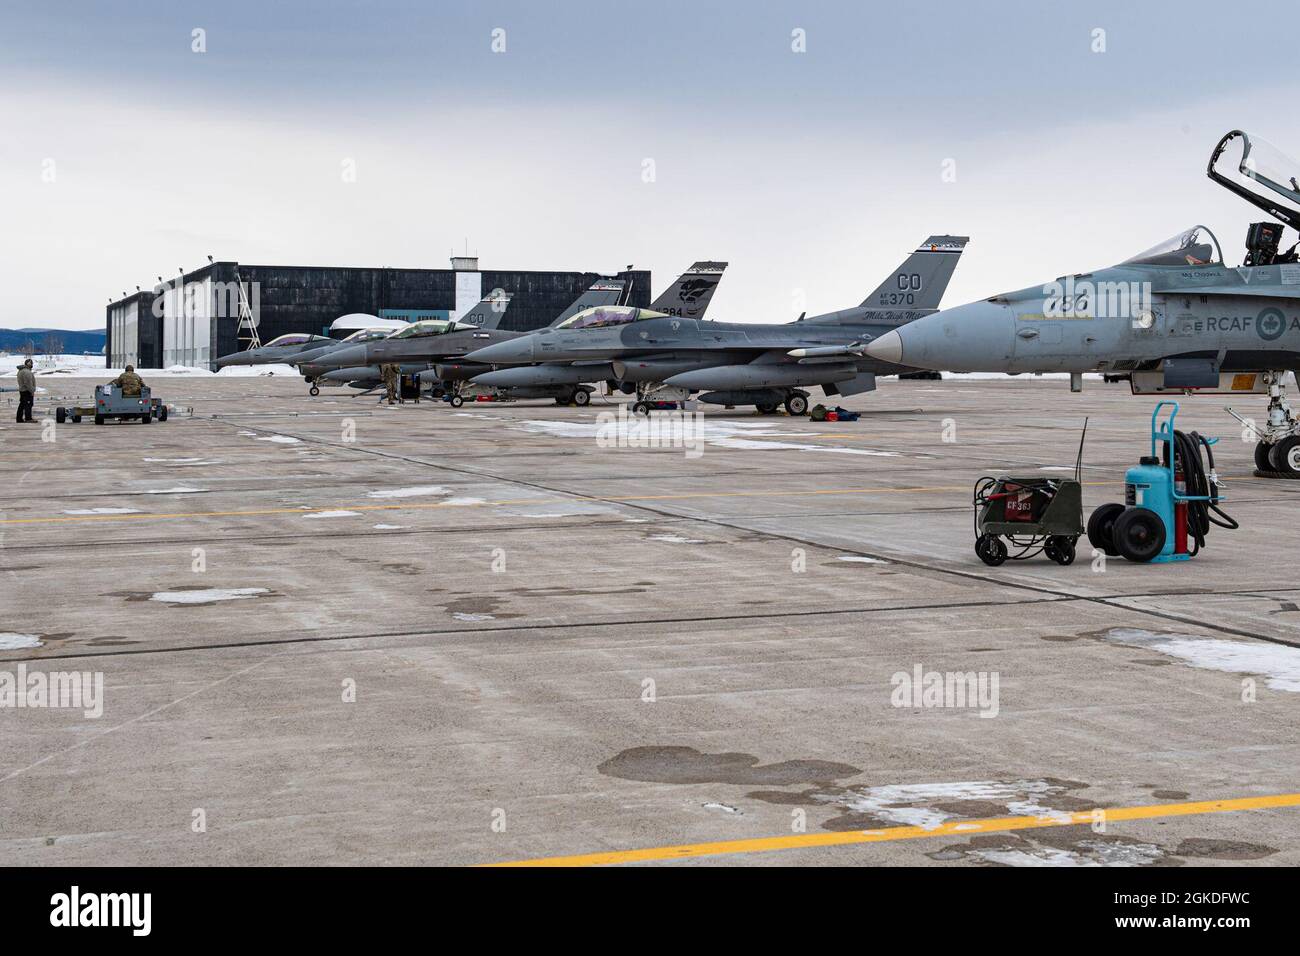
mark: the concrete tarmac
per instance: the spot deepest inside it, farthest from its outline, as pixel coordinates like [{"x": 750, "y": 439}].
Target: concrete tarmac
[{"x": 334, "y": 632}]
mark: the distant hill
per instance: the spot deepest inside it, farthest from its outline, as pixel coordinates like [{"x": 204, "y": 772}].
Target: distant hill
[{"x": 70, "y": 341}]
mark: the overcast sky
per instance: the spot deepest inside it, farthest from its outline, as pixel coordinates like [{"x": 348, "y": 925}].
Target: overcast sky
[{"x": 125, "y": 154}]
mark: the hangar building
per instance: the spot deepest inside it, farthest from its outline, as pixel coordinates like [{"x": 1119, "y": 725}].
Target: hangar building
[{"x": 191, "y": 319}]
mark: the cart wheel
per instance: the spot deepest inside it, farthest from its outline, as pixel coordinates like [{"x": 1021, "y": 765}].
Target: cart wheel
[
  {"x": 60, "y": 414},
  {"x": 146, "y": 418},
  {"x": 1060, "y": 548},
  {"x": 76, "y": 419},
  {"x": 991, "y": 549},
  {"x": 456, "y": 401},
  {"x": 1261, "y": 457},
  {"x": 1139, "y": 534},
  {"x": 1101, "y": 528},
  {"x": 162, "y": 413},
  {"x": 314, "y": 390},
  {"x": 99, "y": 419}
]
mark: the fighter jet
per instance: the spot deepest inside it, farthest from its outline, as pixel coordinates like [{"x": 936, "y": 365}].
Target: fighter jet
[
  {"x": 666, "y": 358},
  {"x": 315, "y": 363},
  {"x": 336, "y": 367},
  {"x": 1174, "y": 318},
  {"x": 689, "y": 297},
  {"x": 280, "y": 349}
]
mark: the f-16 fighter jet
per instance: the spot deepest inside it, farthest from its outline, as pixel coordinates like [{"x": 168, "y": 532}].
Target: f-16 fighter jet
[
  {"x": 667, "y": 358},
  {"x": 1173, "y": 318},
  {"x": 281, "y": 349}
]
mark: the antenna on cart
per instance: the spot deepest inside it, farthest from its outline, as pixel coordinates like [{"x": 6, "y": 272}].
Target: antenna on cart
[{"x": 1078, "y": 462}]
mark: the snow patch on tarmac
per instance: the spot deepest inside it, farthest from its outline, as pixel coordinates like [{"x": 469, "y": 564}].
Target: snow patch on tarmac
[
  {"x": 178, "y": 490},
  {"x": 339, "y": 513},
  {"x": 103, "y": 511},
  {"x": 413, "y": 492},
  {"x": 1277, "y": 664},
  {"x": 634, "y": 433},
  {"x": 860, "y": 559},
  {"x": 207, "y": 595},
  {"x": 17, "y": 642},
  {"x": 906, "y": 804},
  {"x": 675, "y": 539}
]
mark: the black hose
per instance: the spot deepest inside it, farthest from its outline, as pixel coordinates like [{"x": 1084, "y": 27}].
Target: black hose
[{"x": 1199, "y": 482}]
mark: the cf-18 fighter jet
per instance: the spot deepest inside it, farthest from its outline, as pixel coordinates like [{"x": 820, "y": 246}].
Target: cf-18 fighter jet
[
  {"x": 1174, "y": 318},
  {"x": 667, "y": 358},
  {"x": 281, "y": 349}
]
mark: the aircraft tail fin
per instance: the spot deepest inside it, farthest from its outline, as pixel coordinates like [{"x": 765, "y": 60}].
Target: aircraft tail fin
[
  {"x": 601, "y": 292},
  {"x": 920, "y": 282},
  {"x": 689, "y": 296},
  {"x": 490, "y": 310}
]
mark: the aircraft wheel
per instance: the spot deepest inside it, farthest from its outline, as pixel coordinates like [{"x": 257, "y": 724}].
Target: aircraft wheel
[
  {"x": 641, "y": 408},
  {"x": 1261, "y": 456},
  {"x": 798, "y": 405},
  {"x": 314, "y": 390},
  {"x": 1285, "y": 456},
  {"x": 766, "y": 409},
  {"x": 1101, "y": 528},
  {"x": 581, "y": 397},
  {"x": 1060, "y": 548},
  {"x": 60, "y": 414},
  {"x": 456, "y": 401},
  {"x": 1139, "y": 534},
  {"x": 991, "y": 550}
]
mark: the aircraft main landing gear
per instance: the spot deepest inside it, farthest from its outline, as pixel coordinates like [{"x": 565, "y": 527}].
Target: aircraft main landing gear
[{"x": 1277, "y": 454}]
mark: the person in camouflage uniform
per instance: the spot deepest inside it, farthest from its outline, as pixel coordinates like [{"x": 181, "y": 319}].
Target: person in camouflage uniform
[
  {"x": 391, "y": 376},
  {"x": 128, "y": 381},
  {"x": 26, "y": 392}
]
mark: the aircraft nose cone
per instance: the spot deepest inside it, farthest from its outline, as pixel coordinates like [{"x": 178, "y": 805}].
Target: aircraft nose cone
[
  {"x": 352, "y": 355},
  {"x": 234, "y": 358},
  {"x": 514, "y": 352},
  {"x": 976, "y": 337},
  {"x": 887, "y": 348}
]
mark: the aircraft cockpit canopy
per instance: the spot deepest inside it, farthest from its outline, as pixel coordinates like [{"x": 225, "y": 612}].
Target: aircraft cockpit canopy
[
  {"x": 1269, "y": 166},
  {"x": 604, "y": 316},
  {"x": 432, "y": 327},
  {"x": 297, "y": 338},
  {"x": 368, "y": 335},
  {"x": 1191, "y": 247},
  {"x": 1262, "y": 165}
]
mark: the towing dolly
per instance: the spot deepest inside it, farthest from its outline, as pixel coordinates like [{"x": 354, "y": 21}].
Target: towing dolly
[{"x": 111, "y": 403}]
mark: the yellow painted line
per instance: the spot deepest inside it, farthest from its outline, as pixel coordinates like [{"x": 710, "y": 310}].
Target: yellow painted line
[{"x": 798, "y": 841}]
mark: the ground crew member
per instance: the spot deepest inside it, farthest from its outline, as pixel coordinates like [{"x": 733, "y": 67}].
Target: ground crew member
[
  {"x": 26, "y": 392},
  {"x": 128, "y": 381},
  {"x": 389, "y": 373}
]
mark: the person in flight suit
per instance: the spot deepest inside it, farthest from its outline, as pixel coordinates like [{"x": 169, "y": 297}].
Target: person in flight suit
[
  {"x": 128, "y": 381},
  {"x": 390, "y": 374},
  {"x": 26, "y": 391}
]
